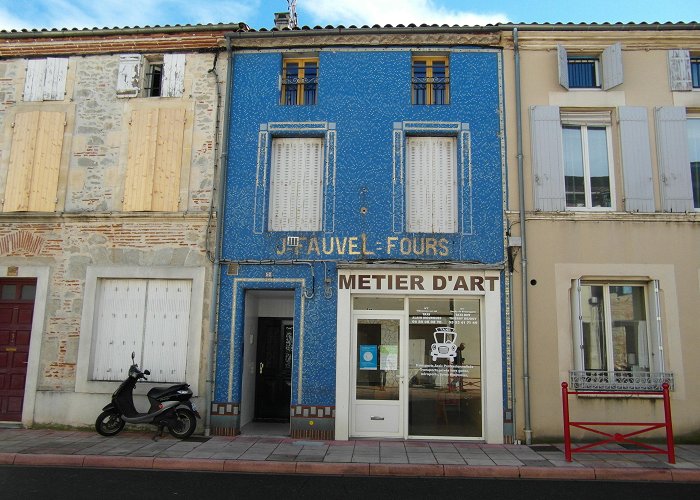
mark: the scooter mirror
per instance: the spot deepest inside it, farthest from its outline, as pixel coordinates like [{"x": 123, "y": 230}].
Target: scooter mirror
[
  {"x": 133, "y": 356},
  {"x": 146, "y": 372}
]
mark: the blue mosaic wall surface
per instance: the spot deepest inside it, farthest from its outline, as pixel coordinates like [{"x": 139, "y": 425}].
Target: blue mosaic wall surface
[{"x": 364, "y": 112}]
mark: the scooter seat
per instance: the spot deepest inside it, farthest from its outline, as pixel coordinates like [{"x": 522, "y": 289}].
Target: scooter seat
[{"x": 157, "y": 392}]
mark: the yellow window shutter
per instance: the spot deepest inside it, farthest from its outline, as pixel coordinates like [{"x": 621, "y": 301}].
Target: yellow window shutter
[
  {"x": 168, "y": 162},
  {"x": 19, "y": 175},
  {"x": 47, "y": 162},
  {"x": 138, "y": 185}
]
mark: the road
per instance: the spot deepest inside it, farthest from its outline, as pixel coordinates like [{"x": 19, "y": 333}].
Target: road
[{"x": 104, "y": 484}]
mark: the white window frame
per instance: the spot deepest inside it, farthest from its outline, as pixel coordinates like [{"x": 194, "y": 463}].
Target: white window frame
[
  {"x": 300, "y": 208},
  {"x": 196, "y": 275},
  {"x": 611, "y": 379},
  {"x": 442, "y": 211},
  {"x": 584, "y": 121}
]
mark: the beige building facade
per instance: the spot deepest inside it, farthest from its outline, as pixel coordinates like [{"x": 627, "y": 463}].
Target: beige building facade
[
  {"x": 610, "y": 234},
  {"x": 109, "y": 144}
]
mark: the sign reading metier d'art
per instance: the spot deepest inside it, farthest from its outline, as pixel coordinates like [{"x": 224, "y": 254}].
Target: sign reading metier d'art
[{"x": 418, "y": 282}]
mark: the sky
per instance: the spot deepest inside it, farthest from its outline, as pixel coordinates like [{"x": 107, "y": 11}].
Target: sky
[{"x": 49, "y": 14}]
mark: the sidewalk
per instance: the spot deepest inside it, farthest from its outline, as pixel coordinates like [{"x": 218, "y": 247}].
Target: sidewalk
[{"x": 137, "y": 450}]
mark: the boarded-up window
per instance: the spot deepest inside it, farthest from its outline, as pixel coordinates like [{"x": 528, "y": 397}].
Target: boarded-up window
[
  {"x": 431, "y": 184},
  {"x": 296, "y": 184},
  {"x": 147, "y": 317},
  {"x": 46, "y": 79},
  {"x": 154, "y": 160},
  {"x": 35, "y": 160}
]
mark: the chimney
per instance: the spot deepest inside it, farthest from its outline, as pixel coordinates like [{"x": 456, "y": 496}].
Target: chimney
[{"x": 282, "y": 20}]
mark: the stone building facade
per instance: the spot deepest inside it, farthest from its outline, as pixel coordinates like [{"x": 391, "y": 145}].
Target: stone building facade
[{"x": 108, "y": 161}]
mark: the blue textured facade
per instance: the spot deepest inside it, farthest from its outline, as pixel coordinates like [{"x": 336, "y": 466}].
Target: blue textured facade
[{"x": 364, "y": 115}]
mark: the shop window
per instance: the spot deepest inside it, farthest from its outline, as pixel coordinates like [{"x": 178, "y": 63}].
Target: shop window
[
  {"x": 617, "y": 336},
  {"x": 431, "y": 184},
  {"x": 46, "y": 79},
  {"x": 299, "y": 81},
  {"x": 154, "y": 162},
  {"x": 151, "y": 76},
  {"x": 430, "y": 80},
  {"x": 296, "y": 184},
  {"x": 149, "y": 317},
  {"x": 35, "y": 161},
  {"x": 590, "y": 71}
]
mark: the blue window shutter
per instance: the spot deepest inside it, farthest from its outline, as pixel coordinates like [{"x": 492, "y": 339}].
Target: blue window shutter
[
  {"x": 547, "y": 158},
  {"x": 679, "y": 70},
  {"x": 612, "y": 66},
  {"x": 674, "y": 165},
  {"x": 563, "y": 66},
  {"x": 636, "y": 159}
]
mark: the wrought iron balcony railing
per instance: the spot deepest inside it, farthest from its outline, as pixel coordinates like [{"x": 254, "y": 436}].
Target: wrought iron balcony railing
[{"x": 599, "y": 380}]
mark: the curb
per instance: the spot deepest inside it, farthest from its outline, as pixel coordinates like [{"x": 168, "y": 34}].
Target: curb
[{"x": 638, "y": 474}]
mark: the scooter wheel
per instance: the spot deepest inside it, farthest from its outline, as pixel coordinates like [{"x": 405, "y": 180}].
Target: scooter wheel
[
  {"x": 184, "y": 424},
  {"x": 109, "y": 423}
]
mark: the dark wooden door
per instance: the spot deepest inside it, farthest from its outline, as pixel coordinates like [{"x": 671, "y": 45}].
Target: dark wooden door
[
  {"x": 16, "y": 311},
  {"x": 273, "y": 380}
]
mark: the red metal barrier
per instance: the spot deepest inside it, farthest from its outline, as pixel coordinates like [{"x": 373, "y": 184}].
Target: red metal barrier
[{"x": 617, "y": 437}]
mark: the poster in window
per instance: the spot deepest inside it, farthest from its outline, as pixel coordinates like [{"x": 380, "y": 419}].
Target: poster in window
[{"x": 368, "y": 357}]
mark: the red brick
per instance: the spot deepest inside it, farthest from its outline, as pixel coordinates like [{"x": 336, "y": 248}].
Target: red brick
[
  {"x": 187, "y": 464},
  {"x": 686, "y": 475},
  {"x": 633, "y": 474},
  {"x": 261, "y": 466},
  {"x": 502, "y": 471},
  {"x": 7, "y": 458},
  {"x": 557, "y": 473},
  {"x": 66, "y": 460},
  {"x": 337, "y": 469},
  {"x": 118, "y": 462}
]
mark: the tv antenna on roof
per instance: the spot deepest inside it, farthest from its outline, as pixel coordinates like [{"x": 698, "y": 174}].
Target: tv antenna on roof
[{"x": 292, "y": 13}]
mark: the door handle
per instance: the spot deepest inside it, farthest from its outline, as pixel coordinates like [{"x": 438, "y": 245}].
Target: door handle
[
  {"x": 376, "y": 418},
  {"x": 260, "y": 368}
]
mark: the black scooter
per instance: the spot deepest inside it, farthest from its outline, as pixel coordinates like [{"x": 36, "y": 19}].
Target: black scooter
[{"x": 170, "y": 407}]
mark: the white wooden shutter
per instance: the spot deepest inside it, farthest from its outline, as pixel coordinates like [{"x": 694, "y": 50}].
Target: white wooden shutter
[
  {"x": 576, "y": 325},
  {"x": 167, "y": 329},
  {"x": 119, "y": 327},
  {"x": 418, "y": 190},
  {"x": 674, "y": 163},
  {"x": 173, "y": 81},
  {"x": 636, "y": 159},
  {"x": 679, "y": 70},
  {"x": 655, "y": 331},
  {"x": 547, "y": 158},
  {"x": 612, "y": 66},
  {"x": 431, "y": 184},
  {"x": 55, "y": 79},
  {"x": 296, "y": 184},
  {"x": 563, "y": 66},
  {"x": 129, "y": 75},
  {"x": 34, "y": 80}
]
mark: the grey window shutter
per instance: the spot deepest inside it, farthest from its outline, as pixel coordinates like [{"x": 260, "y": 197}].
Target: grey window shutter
[
  {"x": 636, "y": 159},
  {"x": 674, "y": 165},
  {"x": 34, "y": 81},
  {"x": 563, "y": 66},
  {"x": 679, "y": 70},
  {"x": 547, "y": 158},
  {"x": 129, "y": 75},
  {"x": 55, "y": 79},
  {"x": 173, "y": 75},
  {"x": 612, "y": 66}
]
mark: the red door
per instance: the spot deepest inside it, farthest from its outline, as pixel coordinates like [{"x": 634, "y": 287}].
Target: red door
[{"x": 16, "y": 311}]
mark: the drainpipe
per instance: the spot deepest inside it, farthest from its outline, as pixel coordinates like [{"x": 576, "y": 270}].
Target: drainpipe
[
  {"x": 523, "y": 248},
  {"x": 216, "y": 261}
]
